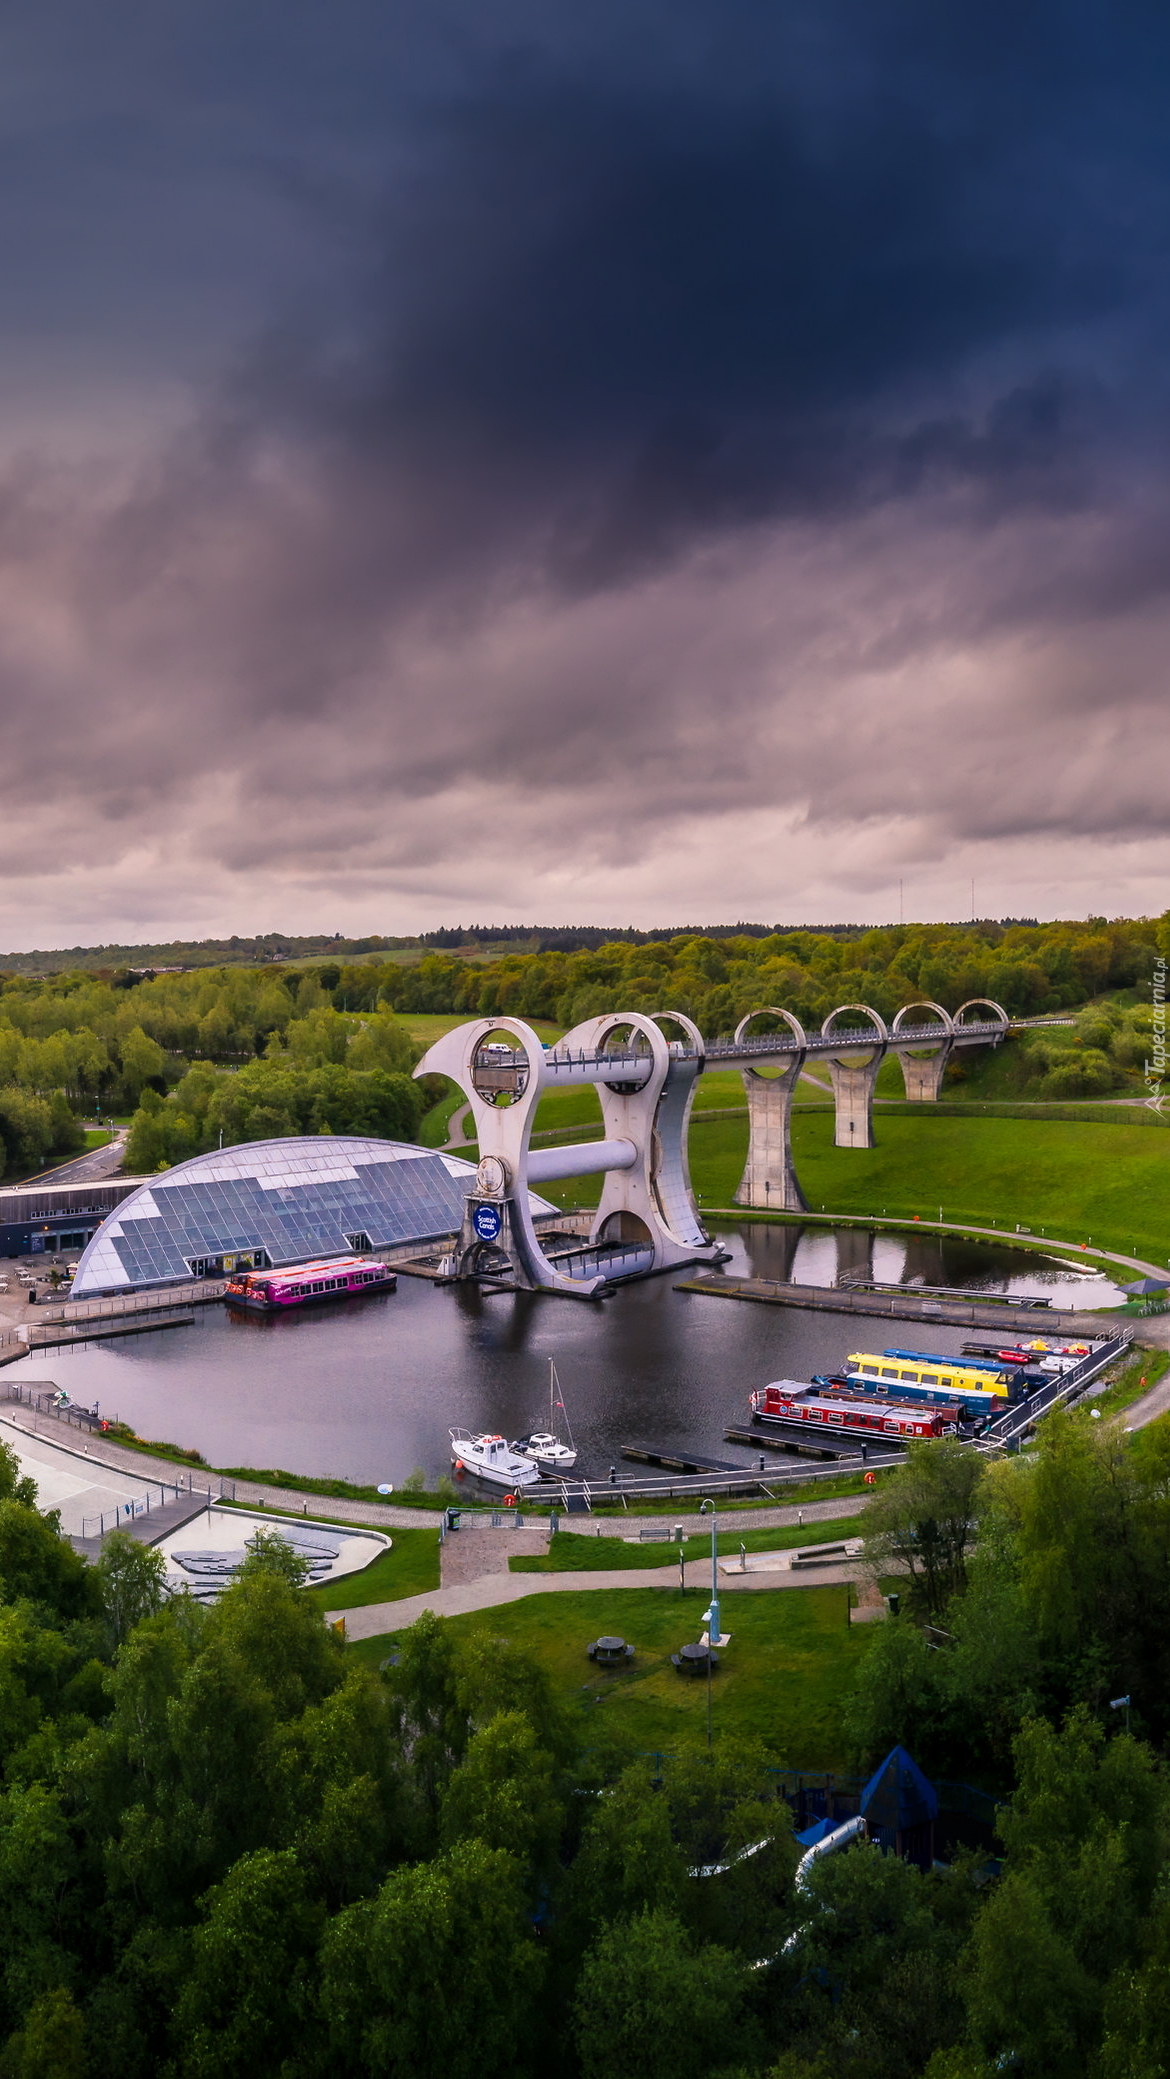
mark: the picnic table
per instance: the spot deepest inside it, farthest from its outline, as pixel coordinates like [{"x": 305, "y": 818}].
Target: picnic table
[
  {"x": 610, "y": 1652},
  {"x": 694, "y": 1660}
]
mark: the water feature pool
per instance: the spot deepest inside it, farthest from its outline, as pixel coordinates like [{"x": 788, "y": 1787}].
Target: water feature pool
[{"x": 367, "y": 1390}]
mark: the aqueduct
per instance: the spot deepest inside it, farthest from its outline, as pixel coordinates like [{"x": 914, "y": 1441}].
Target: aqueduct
[{"x": 645, "y": 1080}]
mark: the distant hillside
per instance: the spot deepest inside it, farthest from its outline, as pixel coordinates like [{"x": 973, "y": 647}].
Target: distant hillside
[
  {"x": 204, "y": 952},
  {"x": 472, "y": 941}
]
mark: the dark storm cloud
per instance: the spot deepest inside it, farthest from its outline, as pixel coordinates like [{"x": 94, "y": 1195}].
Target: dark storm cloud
[{"x": 649, "y": 420}]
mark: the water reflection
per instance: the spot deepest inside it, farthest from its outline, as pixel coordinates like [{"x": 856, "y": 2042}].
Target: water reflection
[{"x": 368, "y": 1390}]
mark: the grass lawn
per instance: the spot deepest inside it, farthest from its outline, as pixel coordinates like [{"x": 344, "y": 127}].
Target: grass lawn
[
  {"x": 428, "y": 1026},
  {"x": 435, "y": 1127},
  {"x": 1145, "y": 1370},
  {"x": 411, "y": 1567},
  {"x": 782, "y": 1681},
  {"x": 560, "y": 1110},
  {"x": 570, "y": 1552},
  {"x": 96, "y": 1137}
]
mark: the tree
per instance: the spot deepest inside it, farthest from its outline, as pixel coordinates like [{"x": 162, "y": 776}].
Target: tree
[
  {"x": 503, "y": 1794},
  {"x": 629, "y": 1861},
  {"x": 246, "y": 2003},
  {"x": 131, "y": 1582},
  {"x": 51, "y": 2045},
  {"x": 650, "y": 2005},
  {"x": 1087, "y": 1835},
  {"x": 424, "y": 1977},
  {"x": 923, "y": 1518},
  {"x": 877, "y": 1984},
  {"x": 142, "y": 1058}
]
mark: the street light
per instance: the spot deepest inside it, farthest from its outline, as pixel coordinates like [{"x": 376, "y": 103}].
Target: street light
[{"x": 711, "y": 1616}]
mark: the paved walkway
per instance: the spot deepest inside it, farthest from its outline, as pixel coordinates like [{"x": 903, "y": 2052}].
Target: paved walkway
[{"x": 491, "y": 1591}]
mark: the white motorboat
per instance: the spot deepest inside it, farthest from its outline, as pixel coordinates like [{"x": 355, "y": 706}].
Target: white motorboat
[
  {"x": 491, "y": 1458},
  {"x": 546, "y": 1447}
]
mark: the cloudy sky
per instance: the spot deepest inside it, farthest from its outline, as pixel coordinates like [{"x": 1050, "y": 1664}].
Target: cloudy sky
[{"x": 664, "y": 461}]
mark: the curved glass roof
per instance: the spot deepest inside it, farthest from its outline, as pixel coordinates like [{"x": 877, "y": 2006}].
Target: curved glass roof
[{"x": 295, "y": 1199}]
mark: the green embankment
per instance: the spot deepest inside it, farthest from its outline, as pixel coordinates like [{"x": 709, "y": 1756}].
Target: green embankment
[
  {"x": 573, "y": 1552},
  {"x": 782, "y": 1680}
]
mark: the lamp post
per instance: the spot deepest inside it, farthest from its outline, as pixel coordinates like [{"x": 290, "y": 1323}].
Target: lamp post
[{"x": 711, "y": 1616}]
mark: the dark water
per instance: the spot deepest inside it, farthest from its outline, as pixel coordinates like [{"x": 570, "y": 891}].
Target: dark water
[{"x": 367, "y": 1390}]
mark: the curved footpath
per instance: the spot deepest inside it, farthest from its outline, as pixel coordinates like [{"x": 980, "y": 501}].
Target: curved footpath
[{"x": 103, "y": 1451}]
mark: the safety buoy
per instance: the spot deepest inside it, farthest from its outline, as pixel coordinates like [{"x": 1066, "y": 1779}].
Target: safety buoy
[
  {"x": 509, "y": 1501},
  {"x": 869, "y": 1479},
  {"x": 105, "y": 1426}
]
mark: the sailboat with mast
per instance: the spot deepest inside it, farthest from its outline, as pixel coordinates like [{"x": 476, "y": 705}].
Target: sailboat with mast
[{"x": 547, "y": 1448}]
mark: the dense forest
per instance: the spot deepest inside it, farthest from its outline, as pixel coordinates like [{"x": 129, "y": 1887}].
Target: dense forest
[
  {"x": 228, "y": 1846},
  {"x": 252, "y": 1051}
]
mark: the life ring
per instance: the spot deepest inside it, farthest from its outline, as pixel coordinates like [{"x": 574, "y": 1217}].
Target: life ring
[
  {"x": 869, "y": 1479},
  {"x": 105, "y": 1426},
  {"x": 509, "y": 1501}
]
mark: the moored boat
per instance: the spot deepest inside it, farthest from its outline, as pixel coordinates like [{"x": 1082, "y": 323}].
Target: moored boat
[
  {"x": 491, "y": 1458},
  {"x": 333, "y": 1277},
  {"x": 546, "y": 1447}
]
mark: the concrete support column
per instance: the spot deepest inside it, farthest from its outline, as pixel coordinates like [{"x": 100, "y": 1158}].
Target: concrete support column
[
  {"x": 769, "y": 1179},
  {"x": 854, "y": 1073},
  {"x": 924, "y": 1068}
]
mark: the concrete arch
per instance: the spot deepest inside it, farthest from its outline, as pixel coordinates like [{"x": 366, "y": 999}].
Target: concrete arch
[
  {"x": 772, "y": 1010},
  {"x": 923, "y": 1068},
  {"x": 924, "y": 1004},
  {"x": 853, "y": 1079},
  {"x": 986, "y": 1003},
  {"x": 769, "y": 1177},
  {"x": 880, "y": 1028}
]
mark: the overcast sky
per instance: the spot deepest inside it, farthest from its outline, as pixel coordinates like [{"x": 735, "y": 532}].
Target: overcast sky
[{"x": 494, "y": 460}]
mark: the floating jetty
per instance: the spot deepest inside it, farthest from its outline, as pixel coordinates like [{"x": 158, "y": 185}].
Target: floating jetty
[
  {"x": 680, "y": 1461},
  {"x": 796, "y": 1447},
  {"x": 55, "y": 1336}
]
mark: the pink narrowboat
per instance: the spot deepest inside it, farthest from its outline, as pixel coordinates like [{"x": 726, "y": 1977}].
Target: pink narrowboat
[{"x": 333, "y": 1278}]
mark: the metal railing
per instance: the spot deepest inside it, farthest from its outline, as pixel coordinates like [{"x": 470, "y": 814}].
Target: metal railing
[
  {"x": 1010, "y": 1427},
  {"x": 176, "y": 1298}
]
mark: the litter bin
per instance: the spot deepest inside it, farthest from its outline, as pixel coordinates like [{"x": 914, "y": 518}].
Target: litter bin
[
  {"x": 893, "y": 1604},
  {"x": 453, "y": 1516}
]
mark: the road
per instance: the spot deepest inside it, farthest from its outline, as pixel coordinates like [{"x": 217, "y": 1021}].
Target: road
[{"x": 93, "y": 1168}]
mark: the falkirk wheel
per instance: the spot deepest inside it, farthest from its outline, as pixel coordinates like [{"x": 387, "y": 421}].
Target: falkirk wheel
[
  {"x": 647, "y": 1219},
  {"x": 644, "y": 1070}
]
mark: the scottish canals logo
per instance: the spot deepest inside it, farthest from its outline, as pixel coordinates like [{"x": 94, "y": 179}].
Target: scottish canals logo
[{"x": 487, "y": 1223}]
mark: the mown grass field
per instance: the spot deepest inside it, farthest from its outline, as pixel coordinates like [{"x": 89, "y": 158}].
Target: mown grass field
[
  {"x": 782, "y": 1681},
  {"x": 411, "y": 1567},
  {"x": 572, "y": 1552}
]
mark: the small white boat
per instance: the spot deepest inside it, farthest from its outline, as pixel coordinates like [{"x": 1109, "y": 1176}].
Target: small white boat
[
  {"x": 545, "y": 1447},
  {"x": 490, "y": 1458}
]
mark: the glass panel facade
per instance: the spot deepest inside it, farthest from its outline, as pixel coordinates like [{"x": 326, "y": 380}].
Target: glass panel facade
[{"x": 294, "y": 1199}]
